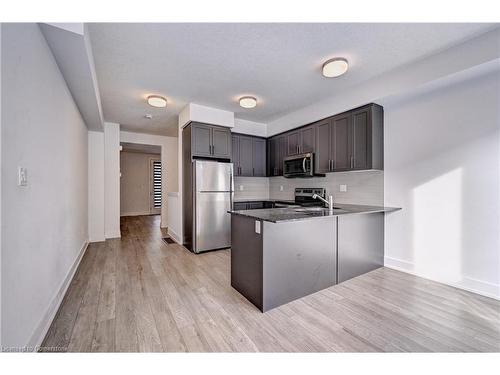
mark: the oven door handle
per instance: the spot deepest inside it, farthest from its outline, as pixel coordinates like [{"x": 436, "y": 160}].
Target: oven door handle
[{"x": 304, "y": 164}]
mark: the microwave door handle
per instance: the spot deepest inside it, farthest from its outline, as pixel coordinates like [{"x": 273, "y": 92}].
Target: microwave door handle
[{"x": 304, "y": 165}]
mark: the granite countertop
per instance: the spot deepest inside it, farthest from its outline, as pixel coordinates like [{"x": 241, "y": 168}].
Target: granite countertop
[
  {"x": 238, "y": 200},
  {"x": 276, "y": 215}
]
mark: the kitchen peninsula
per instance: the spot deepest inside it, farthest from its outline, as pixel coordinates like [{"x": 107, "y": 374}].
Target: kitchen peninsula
[{"x": 281, "y": 254}]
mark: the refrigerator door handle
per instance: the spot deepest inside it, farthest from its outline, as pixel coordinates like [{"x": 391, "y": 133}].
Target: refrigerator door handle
[{"x": 231, "y": 187}]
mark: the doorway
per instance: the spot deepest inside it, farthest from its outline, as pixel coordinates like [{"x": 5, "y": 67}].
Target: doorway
[{"x": 140, "y": 180}]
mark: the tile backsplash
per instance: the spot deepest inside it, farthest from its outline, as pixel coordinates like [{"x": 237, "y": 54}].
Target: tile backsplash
[
  {"x": 253, "y": 188},
  {"x": 363, "y": 187}
]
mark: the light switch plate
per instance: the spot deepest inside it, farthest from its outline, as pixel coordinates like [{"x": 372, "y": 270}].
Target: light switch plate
[
  {"x": 257, "y": 226},
  {"x": 22, "y": 176},
  {"x": 343, "y": 188},
  {"x": 281, "y": 187},
  {"x": 241, "y": 187}
]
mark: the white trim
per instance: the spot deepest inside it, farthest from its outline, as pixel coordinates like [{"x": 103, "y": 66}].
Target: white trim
[
  {"x": 98, "y": 239},
  {"x": 113, "y": 235},
  {"x": 174, "y": 235},
  {"x": 469, "y": 284},
  {"x": 43, "y": 326}
]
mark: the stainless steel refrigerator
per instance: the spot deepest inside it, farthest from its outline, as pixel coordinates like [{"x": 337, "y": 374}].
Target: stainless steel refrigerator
[{"x": 212, "y": 190}]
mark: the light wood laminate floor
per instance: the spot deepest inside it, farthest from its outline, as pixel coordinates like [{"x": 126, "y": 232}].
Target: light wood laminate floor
[{"x": 138, "y": 294}]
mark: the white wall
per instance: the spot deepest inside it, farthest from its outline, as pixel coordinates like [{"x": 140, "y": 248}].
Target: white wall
[
  {"x": 249, "y": 127},
  {"x": 112, "y": 180},
  {"x": 44, "y": 224},
  {"x": 96, "y": 217},
  {"x": 174, "y": 219},
  {"x": 442, "y": 158},
  {"x": 135, "y": 183},
  {"x": 169, "y": 162},
  {"x": 208, "y": 115}
]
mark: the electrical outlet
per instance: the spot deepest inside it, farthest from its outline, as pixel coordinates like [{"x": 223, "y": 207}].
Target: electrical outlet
[
  {"x": 22, "y": 175},
  {"x": 343, "y": 188},
  {"x": 281, "y": 187},
  {"x": 241, "y": 187},
  {"x": 257, "y": 226}
]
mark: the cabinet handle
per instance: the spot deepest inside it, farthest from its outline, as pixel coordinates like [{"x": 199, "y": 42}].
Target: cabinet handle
[
  {"x": 253, "y": 171},
  {"x": 352, "y": 162}
]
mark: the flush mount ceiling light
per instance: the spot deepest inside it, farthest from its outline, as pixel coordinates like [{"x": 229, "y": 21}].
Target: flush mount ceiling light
[
  {"x": 248, "y": 102},
  {"x": 335, "y": 67},
  {"x": 157, "y": 101}
]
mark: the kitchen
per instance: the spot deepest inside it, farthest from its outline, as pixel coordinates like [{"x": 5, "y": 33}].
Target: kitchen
[
  {"x": 317, "y": 254},
  {"x": 304, "y": 187}
]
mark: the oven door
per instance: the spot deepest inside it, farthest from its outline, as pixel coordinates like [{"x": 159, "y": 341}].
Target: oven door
[{"x": 298, "y": 166}]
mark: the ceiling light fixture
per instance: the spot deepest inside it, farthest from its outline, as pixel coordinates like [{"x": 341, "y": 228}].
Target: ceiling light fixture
[
  {"x": 248, "y": 102},
  {"x": 335, "y": 67},
  {"x": 157, "y": 101}
]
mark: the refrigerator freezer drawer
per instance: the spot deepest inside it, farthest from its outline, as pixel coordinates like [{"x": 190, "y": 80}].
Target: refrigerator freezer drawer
[{"x": 213, "y": 223}]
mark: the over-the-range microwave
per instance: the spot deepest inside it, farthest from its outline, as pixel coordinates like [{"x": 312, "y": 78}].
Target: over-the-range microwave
[{"x": 301, "y": 165}]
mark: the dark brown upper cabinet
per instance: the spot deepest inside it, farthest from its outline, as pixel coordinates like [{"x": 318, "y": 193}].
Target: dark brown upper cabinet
[
  {"x": 259, "y": 157},
  {"x": 307, "y": 139},
  {"x": 301, "y": 141},
  {"x": 210, "y": 141},
  {"x": 350, "y": 141},
  {"x": 277, "y": 151},
  {"x": 249, "y": 156},
  {"x": 323, "y": 151},
  {"x": 293, "y": 143},
  {"x": 341, "y": 142}
]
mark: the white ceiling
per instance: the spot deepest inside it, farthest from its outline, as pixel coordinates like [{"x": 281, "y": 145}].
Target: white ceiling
[{"x": 280, "y": 64}]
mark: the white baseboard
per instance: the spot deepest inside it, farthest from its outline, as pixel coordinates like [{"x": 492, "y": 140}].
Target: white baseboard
[
  {"x": 174, "y": 235},
  {"x": 43, "y": 326},
  {"x": 469, "y": 284},
  {"x": 99, "y": 239}
]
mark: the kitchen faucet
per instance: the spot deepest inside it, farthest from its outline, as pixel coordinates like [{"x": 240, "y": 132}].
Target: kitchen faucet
[{"x": 329, "y": 202}]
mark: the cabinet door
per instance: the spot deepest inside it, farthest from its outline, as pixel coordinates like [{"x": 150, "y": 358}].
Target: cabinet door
[
  {"x": 201, "y": 140},
  {"x": 221, "y": 142},
  {"x": 238, "y": 206},
  {"x": 255, "y": 205},
  {"x": 273, "y": 156},
  {"x": 323, "y": 147},
  {"x": 235, "y": 154},
  {"x": 282, "y": 153},
  {"x": 259, "y": 157},
  {"x": 342, "y": 138},
  {"x": 307, "y": 139},
  {"x": 361, "y": 134},
  {"x": 246, "y": 163},
  {"x": 293, "y": 140}
]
